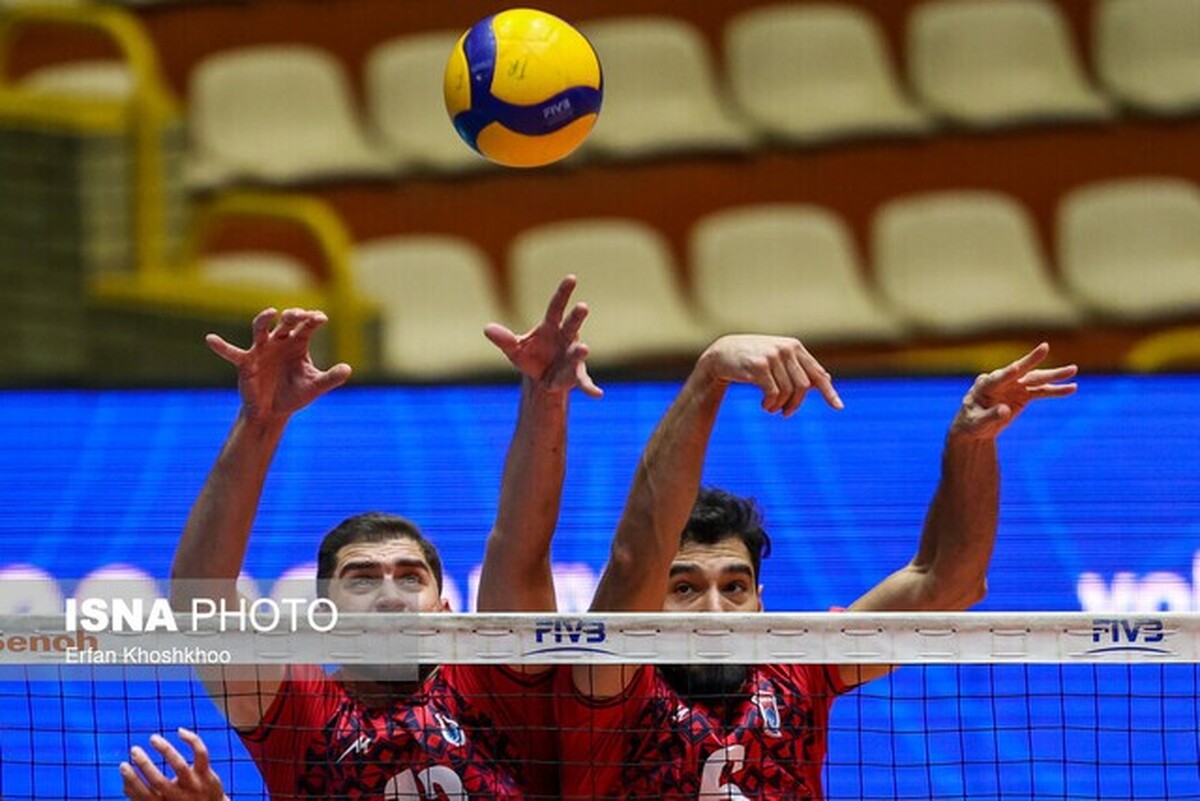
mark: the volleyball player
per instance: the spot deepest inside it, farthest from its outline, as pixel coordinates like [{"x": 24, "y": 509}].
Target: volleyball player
[
  {"x": 758, "y": 731},
  {"x": 478, "y": 731}
]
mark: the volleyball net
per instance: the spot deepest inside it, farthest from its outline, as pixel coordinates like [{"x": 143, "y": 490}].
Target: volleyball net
[{"x": 982, "y": 706}]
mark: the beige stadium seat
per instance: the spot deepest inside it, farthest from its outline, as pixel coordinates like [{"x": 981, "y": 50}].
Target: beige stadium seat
[
  {"x": 815, "y": 72},
  {"x": 436, "y": 294},
  {"x": 1130, "y": 250},
  {"x": 992, "y": 63},
  {"x": 627, "y": 276},
  {"x": 257, "y": 269},
  {"x": 405, "y": 103},
  {"x": 1148, "y": 53},
  {"x": 661, "y": 95},
  {"x": 957, "y": 263},
  {"x": 105, "y": 80},
  {"x": 279, "y": 115},
  {"x": 785, "y": 269}
]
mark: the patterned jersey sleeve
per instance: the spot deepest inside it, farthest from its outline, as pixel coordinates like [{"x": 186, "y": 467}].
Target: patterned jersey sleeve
[
  {"x": 302, "y": 706},
  {"x": 522, "y": 704},
  {"x": 596, "y": 736}
]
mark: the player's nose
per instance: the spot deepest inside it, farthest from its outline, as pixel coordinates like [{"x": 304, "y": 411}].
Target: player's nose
[
  {"x": 392, "y": 598},
  {"x": 711, "y": 601}
]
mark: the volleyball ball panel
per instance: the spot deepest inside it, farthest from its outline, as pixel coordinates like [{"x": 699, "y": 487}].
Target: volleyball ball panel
[{"x": 523, "y": 88}]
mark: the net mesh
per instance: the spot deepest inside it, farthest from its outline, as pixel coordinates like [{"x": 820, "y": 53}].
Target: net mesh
[{"x": 1099, "y": 721}]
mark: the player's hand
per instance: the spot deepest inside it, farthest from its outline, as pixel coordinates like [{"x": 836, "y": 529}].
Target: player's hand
[
  {"x": 276, "y": 375},
  {"x": 780, "y": 366},
  {"x": 551, "y": 354},
  {"x": 196, "y": 782},
  {"x": 998, "y": 397}
]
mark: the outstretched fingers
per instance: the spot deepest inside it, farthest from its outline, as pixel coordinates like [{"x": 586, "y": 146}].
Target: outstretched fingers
[
  {"x": 577, "y": 354},
  {"x": 199, "y": 750},
  {"x": 558, "y": 303},
  {"x": 230, "y": 353},
  {"x": 151, "y": 775},
  {"x": 1020, "y": 367},
  {"x": 132, "y": 784},
  {"x": 261, "y": 327},
  {"x": 183, "y": 772},
  {"x": 821, "y": 379},
  {"x": 501, "y": 336},
  {"x": 569, "y": 330},
  {"x": 332, "y": 378}
]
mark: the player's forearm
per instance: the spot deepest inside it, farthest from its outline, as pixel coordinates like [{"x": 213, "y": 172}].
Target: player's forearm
[
  {"x": 661, "y": 499},
  {"x": 213, "y": 545},
  {"x": 960, "y": 529},
  {"x": 516, "y": 568}
]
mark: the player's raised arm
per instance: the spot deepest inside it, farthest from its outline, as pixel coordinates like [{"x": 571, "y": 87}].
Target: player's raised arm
[
  {"x": 949, "y": 571},
  {"x": 276, "y": 378},
  {"x": 668, "y": 477},
  {"x": 516, "y": 573}
]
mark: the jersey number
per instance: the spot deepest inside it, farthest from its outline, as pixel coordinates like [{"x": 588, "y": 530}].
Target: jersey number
[
  {"x": 438, "y": 781},
  {"x": 710, "y": 779}
]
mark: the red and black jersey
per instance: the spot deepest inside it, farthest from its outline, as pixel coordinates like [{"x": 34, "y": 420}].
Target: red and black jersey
[
  {"x": 649, "y": 742},
  {"x": 469, "y": 731}
]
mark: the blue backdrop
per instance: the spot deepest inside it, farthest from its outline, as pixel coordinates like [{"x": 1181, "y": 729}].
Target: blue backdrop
[{"x": 1100, "y": 504}]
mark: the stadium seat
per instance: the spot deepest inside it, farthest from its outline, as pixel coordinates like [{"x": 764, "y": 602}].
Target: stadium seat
[
  {"x": 816, "y": 72},
  {"x": 660, "y": 92},
  {"x": 107, "y": 80},
  {"x": 405, "y": 104},
  {"x": 279, "y": 115},
  {"x": 258, "y": 269},
  {"x": 957, "y": 263},
  {"x": 994, "y": 63},
  {"x": 1130, "y": 250},
  {"x": 785, "y": 269},
  {"x": 1148, "y": 53},
  {"x": 627, "y": 276},
  {"x": 436, "y": 294}
]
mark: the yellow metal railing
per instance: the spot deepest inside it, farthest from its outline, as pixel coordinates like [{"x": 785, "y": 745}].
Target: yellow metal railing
[
  {"x": 1175, "y": 348},
  {"x": 348, "y": 312},
  {"x": 146, "y": 113}
]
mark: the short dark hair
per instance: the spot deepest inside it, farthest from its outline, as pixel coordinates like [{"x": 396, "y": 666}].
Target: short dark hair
[
  {"x": 719, "y": 515},
  {"x": 371, "y": 527}
]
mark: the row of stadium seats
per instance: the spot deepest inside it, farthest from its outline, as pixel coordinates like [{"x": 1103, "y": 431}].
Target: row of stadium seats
[
  {"x": 946, "y": 265},
  {"x": 801, "y": 73}
]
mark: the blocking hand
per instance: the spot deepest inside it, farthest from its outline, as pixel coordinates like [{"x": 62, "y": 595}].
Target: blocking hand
[
  {"x": 780, "y": 366},
  {"x": 276, "y": 374},
  {"x": 998, "y": 397},
  {"x": 551, "y": 354},
  {"x": 196, "y": 782}
]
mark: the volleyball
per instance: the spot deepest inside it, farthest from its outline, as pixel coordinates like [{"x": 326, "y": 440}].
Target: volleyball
[{"x": 523, "y": 88}]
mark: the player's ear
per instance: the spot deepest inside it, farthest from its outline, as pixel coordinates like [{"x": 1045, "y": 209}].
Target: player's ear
[
  {"x": 445, "y": 606},
  {"x": 760, "y": 597}
]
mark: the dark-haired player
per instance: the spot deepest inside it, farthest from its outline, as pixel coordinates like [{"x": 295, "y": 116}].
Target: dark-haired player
[
  {"x": 460, "y": 731},
  {"x": 729, "y": 731}
]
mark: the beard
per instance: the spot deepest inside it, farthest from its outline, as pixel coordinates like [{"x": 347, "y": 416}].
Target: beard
[
  {"x": 705, "y": 683},
  {"x": 391, "y": 675}
]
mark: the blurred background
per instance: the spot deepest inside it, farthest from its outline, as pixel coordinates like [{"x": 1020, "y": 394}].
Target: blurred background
[
  {"x": 918, "y": 189},
  {"x": 908, "y": 186}
]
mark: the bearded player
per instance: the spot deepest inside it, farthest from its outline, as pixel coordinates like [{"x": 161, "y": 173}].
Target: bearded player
[
  {"x": 758, "y": 732},
  {"x": 461, "y": 731}
]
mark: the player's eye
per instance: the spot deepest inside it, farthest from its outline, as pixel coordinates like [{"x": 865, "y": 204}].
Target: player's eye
[
  {"x": 735, "y": 587},
  {"x": 362, "y": 582},
  {"x": 683, "y": 589},
  {"x": 411, "y": 579}
]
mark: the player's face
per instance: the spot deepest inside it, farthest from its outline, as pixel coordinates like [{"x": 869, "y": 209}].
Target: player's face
[
  {"x": 391, "y": 576},
  {"x": 713, "y": 578}
]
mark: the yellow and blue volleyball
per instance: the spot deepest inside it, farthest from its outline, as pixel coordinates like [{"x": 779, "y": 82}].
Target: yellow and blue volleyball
[{"x": 523, "y": 88}]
